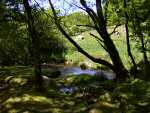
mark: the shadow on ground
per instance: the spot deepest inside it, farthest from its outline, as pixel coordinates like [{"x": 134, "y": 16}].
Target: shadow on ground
[{"x": 84, "y": 94}]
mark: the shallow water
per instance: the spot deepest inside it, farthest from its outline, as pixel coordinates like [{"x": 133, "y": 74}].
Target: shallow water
[
  {"x": 78, "y": 71},
  {"x": 69, "y": 89}
]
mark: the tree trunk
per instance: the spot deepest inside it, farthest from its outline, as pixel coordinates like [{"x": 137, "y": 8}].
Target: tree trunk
[
  {"x": 119, "y": 69},
  {"x": 143, "y": 48},
  {"x": 146, "y": 70},
  {"x": 35, "y": 45},
  {"x": 100, "y": 26},
  {"x": 140, "y": 34},
  {"x": 127, "y": 36}
]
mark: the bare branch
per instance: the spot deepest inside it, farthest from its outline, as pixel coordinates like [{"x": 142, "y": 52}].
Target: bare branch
[
  {"x": 114, "y": 30},
  {"x": 96, "y": 37},
  {"x": 75, "y": 5},
  {"x": 91, "y": 13},
  {"x": 66, "y": 11},
  {"x": 48, "y": 15},
  {"x": 100, "y": 41},
  {"x": 97, "y": 60},
  {"x": 87, "y": 26},
  {"x": 88, "y": 10}
]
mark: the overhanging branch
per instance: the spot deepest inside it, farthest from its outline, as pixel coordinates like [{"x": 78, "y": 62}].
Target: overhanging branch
[
  {"x": 88, "y": 26},
  {"x": 96, "y": 37},
  {"x": 114, "y": 30},
  {"x": 100, "y": 41},
  {"x": 91, "y": 13},
  {"x": 97, "y": 60},
  {"x": 75, "y": 5}
]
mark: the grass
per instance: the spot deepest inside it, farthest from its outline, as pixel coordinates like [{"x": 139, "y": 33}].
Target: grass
[
  {"x": 18, "y": 94},
  {"x": 91, "y": 45}
]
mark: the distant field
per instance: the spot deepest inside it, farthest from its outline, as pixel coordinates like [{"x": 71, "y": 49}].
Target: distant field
[{"x": 91, "y": 45}]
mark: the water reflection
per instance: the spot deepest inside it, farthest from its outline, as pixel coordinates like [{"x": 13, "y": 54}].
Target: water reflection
[
  {"x": 78, "y": 71},
  {"x": 69, "y": 89},
  {"x": 108, "y": 75}
]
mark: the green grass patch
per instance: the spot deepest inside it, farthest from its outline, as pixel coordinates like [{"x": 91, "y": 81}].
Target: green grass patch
[{"x": 92, "y": 46}]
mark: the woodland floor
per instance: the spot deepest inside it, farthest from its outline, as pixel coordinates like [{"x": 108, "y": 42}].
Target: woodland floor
[{"x": 86, "y": 94}]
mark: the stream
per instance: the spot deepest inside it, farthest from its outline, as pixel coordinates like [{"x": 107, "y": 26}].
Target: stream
[{"x": 78, "y": 71}]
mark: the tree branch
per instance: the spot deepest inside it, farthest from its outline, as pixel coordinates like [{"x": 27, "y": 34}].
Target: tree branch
[
  {"x": 87, "y": 26},
  {"x": 97, "y": 60},
  {"x": 96, "y": 37},
  {"x": 114, "y": 30},
  {"x": 48, "y": 15},
  {"x": 99, "y": 41},
  {"x": 91, "y": 13},
  {"x": 75, "y": 5},
  {"x": 100, "y": 14},
  {"x": 97, "y": 19}
]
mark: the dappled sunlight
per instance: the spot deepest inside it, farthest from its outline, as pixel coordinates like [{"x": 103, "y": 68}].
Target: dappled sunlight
[
  {"x": 29, "y": 102},
  {"x": 17, "y": 81},
  {"x": 26, "y": 98},
  {"x": 74, "y": 94},
  {"x": 92, "y": 61}
]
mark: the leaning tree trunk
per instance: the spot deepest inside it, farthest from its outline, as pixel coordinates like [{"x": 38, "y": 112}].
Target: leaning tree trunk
[
  {"x": 35, "y": 45},
  {"x": 100, "y": 26},
  {"x": 119, "y": 68}
]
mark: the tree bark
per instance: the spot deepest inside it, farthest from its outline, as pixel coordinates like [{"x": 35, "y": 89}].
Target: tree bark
[
  {"x": 96, "y": 60},
  {"x": 120, "y": 70},
  {"x": 100, "y": 26},
  {"x": 127, "y": 36},
  {"x": 35, "y": 45}
]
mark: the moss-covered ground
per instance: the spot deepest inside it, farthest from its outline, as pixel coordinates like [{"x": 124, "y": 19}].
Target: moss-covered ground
[{"x": 86, "y": 95}]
